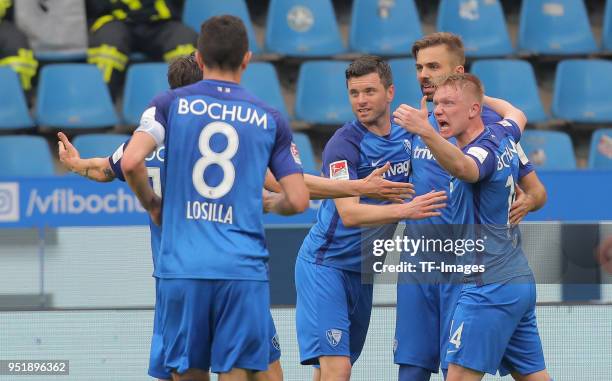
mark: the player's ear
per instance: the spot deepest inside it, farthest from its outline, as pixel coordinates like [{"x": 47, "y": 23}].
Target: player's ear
[
  {"x": 246, "y": 59},
  {"x": 390, "y": 93},
  {"x": 475, "y": 110},
  {"x": 199, "y": 60},
  {"x": 459, "y": 69}
]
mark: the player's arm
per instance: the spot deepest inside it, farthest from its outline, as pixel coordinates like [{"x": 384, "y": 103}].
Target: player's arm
[
  {"x": 530, "y": 192},
  {"x": 133, "y": 168},
  {"x": 293, "y": 197},
  {"x": 95, "y": 168},
  {"x": 374, "y": 186},
  {"x": 507, "y": 111},
  {"x": 449, "y": 156},
  {"x": 354, "y": 214}
]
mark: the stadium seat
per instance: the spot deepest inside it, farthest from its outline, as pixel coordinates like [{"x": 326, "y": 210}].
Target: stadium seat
[
  {"x": 555, "y": 27},
  {"x": 143, "y": 82},
  {"x": 26, "y": 156},
  {"x": 549, "y": 149},
  {"x": 14, "y": 110},
  {"x": 582, "y": 91},
  {"x": 74, "y": 96},
  {"x": 299, "y": 28},
  {"x": 514, "y": 81},
  {"x": 600, "y": 154},
  {"x": 98, "y": 145},
  {"x": 382, "y": 29},
  {"x": 195, "y": 12},
  {"x": 304, "y": 146},
  {"x": 407, "y": 88},
  {"x": 480, "y": 23},
  {"x": 606, "y": 38},
  {"x": 321, "y": 95},
  {"x": 260, "y": 78}
]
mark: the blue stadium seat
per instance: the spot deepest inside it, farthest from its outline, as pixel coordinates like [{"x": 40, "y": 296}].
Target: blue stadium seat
[
  {"x": 304, "y": 146},
  {"x": 24, "y": 155},
  {"x": 14, "y": 110},
  {"x": 143, "y": 82},
  {"x": 407, "y": 88},
  {"x": 549, "y": 149},
  {"x": 555, "y": 27},
  {"x": 260, "y": 78},
  {"x": 195, "y": 12},
  {"x": 74, "y": 96},
  {"x": 607, "y": 27},
  {"x": 480, "y": 23},
  {"x": 600, "y": 154},
  {"x": 514, "y": 81},
  {"x": 98, "y": 145},
  {"x": 299, "y": 28},
  {"x": 321, "y": 95},
  {"x": 382, "y": 29},
  {"x": 582, "y": 91}
]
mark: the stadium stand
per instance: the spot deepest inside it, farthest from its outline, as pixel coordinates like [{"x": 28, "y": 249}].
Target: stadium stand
[
  {"x": 38, "y": 162},
  {"x": 544, "y": 28},
  {"x": 197, "y": 11},
  {"x": 480, "y": 23},
  {"x": 74, "y": 96},
  {"x": 607, "y": 28},
  {"x": 300, "y": 30},
  {"x": 600, "y": 153},
  {"x": 261, "y": 79},
  {"x": 321, "y": 93},
  {"x": 98, "y": 145},
  {"x": 582, "y": 91},
  {"x": 407, "y": 89},
  {"x": 14, "y": 112},
  {"x": 397, "y": 26},
  {"x": 143, "y": 82},
  {"x": 514, "y": 81},
  {"x": 550, "y": 150}
]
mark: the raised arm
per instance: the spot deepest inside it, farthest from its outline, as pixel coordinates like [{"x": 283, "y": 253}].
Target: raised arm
[
  {"x": 507, "y": 111},
  {"x": 95, "y": 168}
]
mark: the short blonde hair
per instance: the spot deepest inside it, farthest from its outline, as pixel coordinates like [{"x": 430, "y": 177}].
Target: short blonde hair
[{"x": 463, "y": 81}]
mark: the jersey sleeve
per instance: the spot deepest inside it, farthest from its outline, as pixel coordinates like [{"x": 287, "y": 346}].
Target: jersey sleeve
[
  {"x": 489, "y": 116},
  {"x": 509, "y": 128},
  {"x": 340, "y": 158},
  {"x": 115, "y": 160},
  {"x": 483, "y": 155},
  {"x": 525, "y": 166},
  {"x": 154, "y": 119},
  {"x": 284, "y": 159}
]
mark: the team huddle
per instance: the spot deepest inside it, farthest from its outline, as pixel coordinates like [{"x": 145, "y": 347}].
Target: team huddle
[{"x": 228, "y": 157}]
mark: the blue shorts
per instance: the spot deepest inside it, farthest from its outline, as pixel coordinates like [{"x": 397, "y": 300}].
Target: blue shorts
[
  {"x": 216, "y": 324},
  {"x": 156, "y": 357},
  {"x": 422, "y": 325},
  {"x": 333, "y": 311},
  {"x": 275, "y": 351},
  {"x": 494, "y": 328}
]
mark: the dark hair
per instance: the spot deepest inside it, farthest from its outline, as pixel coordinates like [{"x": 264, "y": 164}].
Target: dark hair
[
  {"x": 453, "y": 43},
  {"x": 183, "y": 71},
  {"x": 223, "y": 42},
  {"x": 464, "y": 81},
  {"x": 370, "y": 64}
]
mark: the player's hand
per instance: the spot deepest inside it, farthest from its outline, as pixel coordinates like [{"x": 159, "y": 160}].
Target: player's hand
[
  {"x": 604, "y": 254},
  {"x": 412, "y": 119},
  {"x": 522, "y": 205},
  {"x": 425, "y": 205},
  {"x": 269, "y": 200},
  {"x": 155, "y": 210},
  {"x": 375, "y": 186},
  {"x": 68, "y": 155}
]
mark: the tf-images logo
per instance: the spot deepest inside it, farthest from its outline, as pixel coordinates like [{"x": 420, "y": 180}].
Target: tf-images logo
[{"x": 9, "y": 202}]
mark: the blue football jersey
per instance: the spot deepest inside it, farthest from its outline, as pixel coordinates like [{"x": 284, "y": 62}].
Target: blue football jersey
[
  {"x": 156, "y": 172},
  {"x": 219, "y": 139},
  {"x": 353, "y": 153},
  {"x": 484, "y": 206}
]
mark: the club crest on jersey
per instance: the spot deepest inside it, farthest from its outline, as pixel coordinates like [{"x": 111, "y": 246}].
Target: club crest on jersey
[
  {"x": 407, "y": 145},
  {"x": 295, "y": 153},
  {"x": 333, "y": 336},
  {"x": 338, "y": 170},
  {"x": 275, "y": 342}
]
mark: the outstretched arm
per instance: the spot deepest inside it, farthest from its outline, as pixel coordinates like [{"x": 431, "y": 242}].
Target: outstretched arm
[{"x": 95, "y": 168}]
